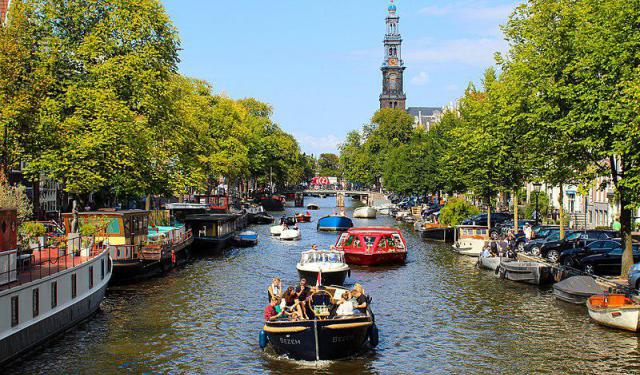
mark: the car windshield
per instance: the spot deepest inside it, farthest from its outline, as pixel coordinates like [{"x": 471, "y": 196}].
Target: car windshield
[
  {"x": 574, "y": 236},
  {"x": 554, "y": 237}
]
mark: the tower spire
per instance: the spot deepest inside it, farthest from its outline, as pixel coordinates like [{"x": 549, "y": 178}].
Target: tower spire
[{"x": 393, "y": 95}]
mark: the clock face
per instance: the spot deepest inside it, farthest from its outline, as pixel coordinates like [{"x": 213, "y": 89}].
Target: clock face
[
  {"x": 393, "y": 82},
  {"x": 393, "y": 62}
]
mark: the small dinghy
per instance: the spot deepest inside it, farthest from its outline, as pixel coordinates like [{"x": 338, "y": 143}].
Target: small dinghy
[
  {"x": 303, "y": 218},
  {"x": 290, "y": 234},
  {"x": 577, "y": 289},
  {"x": 492, "y": 263},
  {"x": 246, "y": 238},
  {"x": 325, "y": 335},
  {"x": 276, "y": 230},
  {"x": 312, "y": 206},
  {"x": 330, "y": 264},
  {"x": 614, "y": 310},
  {"x": 525, "y": 272},
  {"x": 261, "y": 218},
  {"x": 365, "y": 213}
]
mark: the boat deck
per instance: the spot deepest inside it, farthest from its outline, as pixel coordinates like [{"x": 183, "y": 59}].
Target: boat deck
[{"x": 45, "y": 263}]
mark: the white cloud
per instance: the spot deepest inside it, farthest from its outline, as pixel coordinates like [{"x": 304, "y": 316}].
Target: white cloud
[
  {"x": 478, "y": 11},
  {"x": 315, "y": 145},
  {"x": 421, "y": 79},
  {"x": 462, "y": 51}
]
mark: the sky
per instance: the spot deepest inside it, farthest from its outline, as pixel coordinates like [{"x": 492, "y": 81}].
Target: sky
[{"x": 318, "y": 62}]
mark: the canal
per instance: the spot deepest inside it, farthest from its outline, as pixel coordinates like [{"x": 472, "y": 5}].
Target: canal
[{"x": 436, "y": 314}]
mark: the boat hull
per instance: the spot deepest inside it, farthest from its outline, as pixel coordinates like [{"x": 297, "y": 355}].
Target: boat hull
[
  {"x": 320, "y": 339},
  {"x": 438, "y": 234},
  {"x": 334, "y": 223},
  {"x": 490, "y": 263},
  {"x": 328, "y": 278},
  {"x": 365, "y": 213},
  {"x": 375, "y": 259},
  {"x": 271, "y": 204},
  {"x": 211, "y": 245},
  {"x": 620, "y": 318},
  {"x": 290, "y": 235},
  {"x": 576, "y": 299},
  {"x": 469, "y": 246},
  {"x": 261, "y": 218},
  {"x": 526, "y": 272}
]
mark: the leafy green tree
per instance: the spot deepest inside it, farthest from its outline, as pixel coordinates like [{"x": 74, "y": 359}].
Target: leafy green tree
[
  {"x": 354, "y": 160},
  {"x": 456, "y": 210},
  {"x": 329, "y": 164}
]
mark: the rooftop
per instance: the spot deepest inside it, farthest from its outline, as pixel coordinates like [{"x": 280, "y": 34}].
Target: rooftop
[{"x": 424, "y": 111}]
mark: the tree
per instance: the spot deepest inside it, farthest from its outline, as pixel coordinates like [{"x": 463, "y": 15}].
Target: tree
[
  {"x": 329, "y": 164},
  {"x": 354, "y": 160}
]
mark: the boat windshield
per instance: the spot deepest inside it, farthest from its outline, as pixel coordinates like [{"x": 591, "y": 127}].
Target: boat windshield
[
  {"x": 322, "y": 257},
  {"x": 369, "y": 241}
]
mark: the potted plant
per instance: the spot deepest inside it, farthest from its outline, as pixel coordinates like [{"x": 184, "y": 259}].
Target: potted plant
[
  {"x": 87, "y": 233},
  {"x": 33, "y": 234}
]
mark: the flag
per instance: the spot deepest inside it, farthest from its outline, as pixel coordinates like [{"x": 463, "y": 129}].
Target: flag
[{"x": 319, "y": 280}]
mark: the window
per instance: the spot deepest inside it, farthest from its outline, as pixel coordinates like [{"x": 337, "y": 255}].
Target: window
[
  {"x": 74, "y": 285},
  {"x": 14, "y": 311},
  {"x": 109, "y": 264},
  {"x": 36, "y": 302},
  {"x": 54, "y": 294},
  {"x": 101, "y": 269},
  {"x": 90, "y": 277}
]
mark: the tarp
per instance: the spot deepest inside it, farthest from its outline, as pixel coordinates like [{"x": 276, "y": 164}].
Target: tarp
[{"x": 580, "y": 285}]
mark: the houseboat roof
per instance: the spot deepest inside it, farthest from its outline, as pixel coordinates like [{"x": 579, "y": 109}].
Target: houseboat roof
[
  {"x": 373, "y": 230},
  {"x": 211, "y": 217},
  {"x": 102, "y": 213},
  {"x": 186, "y": 206}
]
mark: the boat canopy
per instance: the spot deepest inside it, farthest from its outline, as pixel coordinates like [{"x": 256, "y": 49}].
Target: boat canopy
[{"x": 322, "y": 256}]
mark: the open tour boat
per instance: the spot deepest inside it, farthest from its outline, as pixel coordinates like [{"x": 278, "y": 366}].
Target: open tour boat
[
  {"x": 330, "y": 264},
  {"x": 373, "y": 246}
]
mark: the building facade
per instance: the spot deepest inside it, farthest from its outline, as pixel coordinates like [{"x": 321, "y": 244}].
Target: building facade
[
  {"x": 393, "y": 95},
  {"x": 425, "y": 117},
  {"x": 4, "y": 8}
]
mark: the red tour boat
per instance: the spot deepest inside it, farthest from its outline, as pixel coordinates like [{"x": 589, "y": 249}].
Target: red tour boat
[{"x": 373, "y": 246}]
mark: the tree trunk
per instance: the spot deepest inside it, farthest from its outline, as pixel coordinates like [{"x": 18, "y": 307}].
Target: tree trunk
[
  {"x": 36, "y": 199},
  {"x": 561, "y": 202},
  {"x": 489, "y": 216},
  {"x": 147, "y": 203},
  {"x": 515, "y": 212},
  {"x": 625, "y": 229}
]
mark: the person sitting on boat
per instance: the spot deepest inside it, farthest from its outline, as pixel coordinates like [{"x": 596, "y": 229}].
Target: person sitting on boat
[
  {"x": 275, "y": 289},
  {"x": 314, "y": 247},
  {"x": 361, "y": 301},
  {"x": 486, "y": 253},
  {"x": 302, "y": 291},
  {"x": 290, "y": 303},
  {"x": 345, "y": 306},
  {"x": 295, "y": 226},
  {"x": 270, "y": 313}
]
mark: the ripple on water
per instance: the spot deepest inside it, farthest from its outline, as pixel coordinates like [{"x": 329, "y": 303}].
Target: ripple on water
[{"x": 437, "y": 314}]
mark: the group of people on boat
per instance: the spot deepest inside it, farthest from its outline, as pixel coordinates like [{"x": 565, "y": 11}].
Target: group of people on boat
[
  {"x": 302, "y": 302},
  {"x": 503, "y": 249}
]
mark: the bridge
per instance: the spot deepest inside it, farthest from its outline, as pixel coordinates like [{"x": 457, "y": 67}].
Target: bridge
[{"x": 370, "y": 198}]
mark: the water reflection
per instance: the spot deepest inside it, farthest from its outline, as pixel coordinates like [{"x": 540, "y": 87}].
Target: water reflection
[{"x": 437, "y": 314}]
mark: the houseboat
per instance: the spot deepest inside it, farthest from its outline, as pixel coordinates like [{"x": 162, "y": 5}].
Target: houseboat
[
  {"x": 272, "y": 203},
  {"x": 138, "y": 248},
  {"x": 213, "y": 232},
  {"x": 44, "y": 292},
  {"x": 470, "y": 239},
  {"x": 373, "y": 246}
]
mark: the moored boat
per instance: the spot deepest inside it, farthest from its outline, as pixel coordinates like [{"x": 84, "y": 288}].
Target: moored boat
[
  {"x": 373, "y": 246},
  {"x": 213, "y": 232},
  {"x": 312, "y": 206},
  {"x": 614, "y": 310},
  {"x": 577, "y": 289},
  {"x": 365, "y": 213},
  {"x": 491, "y": 263},
  {"x": 276, "y": 230},
  {"x": 273, "y": 203},
  {"x": 245, "y": 238},
  {"x": 436, "y": 232},
  {"x": 470, "y": 239},
  {"x": 330, "y": 264},
  {"x": 48, "y": 290},
  {"x": 326, "y": 336},
  {"x": 303, "y": 218},
  {"x": 334, "y": 223},
  {"x": 526, "y": 272}
]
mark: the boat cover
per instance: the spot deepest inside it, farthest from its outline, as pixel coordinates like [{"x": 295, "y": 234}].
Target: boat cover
[{"x": 580, "y": 285}]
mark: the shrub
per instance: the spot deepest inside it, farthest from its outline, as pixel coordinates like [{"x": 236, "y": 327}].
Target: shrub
[
  {"x": 15, "y": 197},
  {"x": 33, "y": 230},
  {"x": 87, "y": 230},
  {"x": 457, "y": 210}
]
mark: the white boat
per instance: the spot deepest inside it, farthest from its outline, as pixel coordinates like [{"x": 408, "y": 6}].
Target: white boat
[
  {"x": 614, "y": 310},
  {"x": 365, "y": 213},
  {"x": 385, "y": 209},
  {"x": 470, "y": 240},
  {"x": 47, "y": 292},
  {"x": 276, "y": 230},
  {"x": 290, "y": 234},
  {"x": 330, "y": 264},
  {"x": 491, "y": 263}
]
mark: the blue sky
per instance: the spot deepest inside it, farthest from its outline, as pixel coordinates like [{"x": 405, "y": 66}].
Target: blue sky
[{"x": 318, "y": 62}]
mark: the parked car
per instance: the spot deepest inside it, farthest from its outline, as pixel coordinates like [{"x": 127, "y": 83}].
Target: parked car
[
  {"x": 481, "y": 219},
  {"x": 572, "y": 257},
  {"x": 543, "y": 230},
  {"x": 607, "y": 264},
  {"x": 533, "y": 247},
  {"x": 503, "y": 228},
  {"x": 634, "y": 276},
  {"x": 552, "y": 249}
]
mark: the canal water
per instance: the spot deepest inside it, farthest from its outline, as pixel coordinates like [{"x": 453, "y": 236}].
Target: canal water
[{"x": 437, "y": 314}]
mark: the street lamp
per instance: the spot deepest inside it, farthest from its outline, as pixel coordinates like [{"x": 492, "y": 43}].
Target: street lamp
[{"x": 536, "y": 188}]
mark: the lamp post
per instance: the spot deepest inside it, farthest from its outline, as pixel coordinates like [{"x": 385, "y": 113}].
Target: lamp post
[{"x": 536, "y": 188}]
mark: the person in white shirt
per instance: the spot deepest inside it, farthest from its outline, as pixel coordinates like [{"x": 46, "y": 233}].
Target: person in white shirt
[{"x": 345, "y": 305}]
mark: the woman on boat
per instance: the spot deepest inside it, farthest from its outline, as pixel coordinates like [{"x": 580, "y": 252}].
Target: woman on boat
[
  {"x": 345, "y": 306},
  {"x": 275, "y": 289},
  {"x": 290, "y": 303}
]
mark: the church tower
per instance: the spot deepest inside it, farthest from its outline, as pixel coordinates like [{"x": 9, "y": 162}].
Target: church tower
[{"x": 393, "y": 67}]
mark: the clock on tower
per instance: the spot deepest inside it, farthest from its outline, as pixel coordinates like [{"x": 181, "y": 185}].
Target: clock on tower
[{"x": 393, "y": 67}]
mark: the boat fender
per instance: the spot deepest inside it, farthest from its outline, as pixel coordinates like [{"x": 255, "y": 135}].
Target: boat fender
[
  {"x": 373, "y": 336},
  {"x": 263, "y": 339}
]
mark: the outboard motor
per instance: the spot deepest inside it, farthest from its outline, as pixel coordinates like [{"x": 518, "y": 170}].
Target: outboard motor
[{"x": 263, "y": 339}]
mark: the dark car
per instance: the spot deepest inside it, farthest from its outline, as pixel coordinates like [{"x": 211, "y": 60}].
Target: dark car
[
  {"x": 552, "y": 249},
  {"x": 544, "y": 230},
  {"x": 535, "y": 245},
  {"x": 503, "y": 228},
  {"x": 607, "y": 264},
  {"x": 572, "y": 257},
  {"x": 481, "y": 219}
]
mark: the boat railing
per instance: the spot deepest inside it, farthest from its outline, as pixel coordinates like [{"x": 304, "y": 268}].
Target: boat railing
[
  {"x": 125, "y": 252},
  {"x": 36, "y": 264}
]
